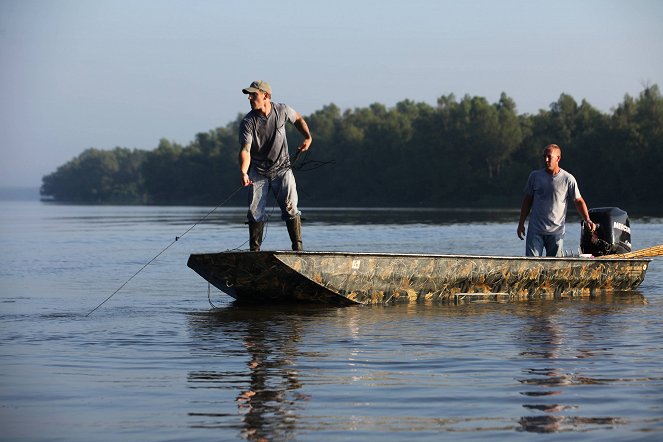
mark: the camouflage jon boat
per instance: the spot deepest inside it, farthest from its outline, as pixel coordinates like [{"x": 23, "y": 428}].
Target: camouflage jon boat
[{"x": 382, "y": 278}]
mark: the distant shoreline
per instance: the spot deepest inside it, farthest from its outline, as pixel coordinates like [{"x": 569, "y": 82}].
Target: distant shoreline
[
  {"x": 19, "y": 193},
  {"x": 26, "y": 193}
]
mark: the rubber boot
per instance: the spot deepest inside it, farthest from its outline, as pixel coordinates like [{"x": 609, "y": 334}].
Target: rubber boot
[
  {"x": 295, "y": 232},
  {"x": 255, "y": 235}
]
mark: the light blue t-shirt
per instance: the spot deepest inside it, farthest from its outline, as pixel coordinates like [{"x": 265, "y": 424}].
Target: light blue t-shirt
[{"x": 551, "y": 194}]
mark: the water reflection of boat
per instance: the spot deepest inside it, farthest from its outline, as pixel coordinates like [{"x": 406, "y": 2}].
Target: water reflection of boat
[
  {"x": 384, "y": 278},
  {"x": 552, "y": 384},
  {"x": 266, "y": 389}
]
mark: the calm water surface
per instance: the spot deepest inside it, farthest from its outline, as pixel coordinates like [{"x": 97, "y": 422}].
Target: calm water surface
[{"x": 158, "y": 363}]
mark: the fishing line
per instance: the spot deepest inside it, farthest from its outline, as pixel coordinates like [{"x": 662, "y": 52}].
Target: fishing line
[
  {"x": 177, "y": 238},
  {"x": 307, "y": 164},
  {"x": 291, "y": 165}
]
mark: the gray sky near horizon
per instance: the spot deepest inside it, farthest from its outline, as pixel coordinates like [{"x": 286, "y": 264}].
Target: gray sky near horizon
[{"x": 76, "y": 74}]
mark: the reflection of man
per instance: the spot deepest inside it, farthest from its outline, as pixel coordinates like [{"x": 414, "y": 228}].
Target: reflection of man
[
  {"x": 267, "y": 405},
  {"x": 264, "y": 147},
  {"x": 546, "y": 195}
]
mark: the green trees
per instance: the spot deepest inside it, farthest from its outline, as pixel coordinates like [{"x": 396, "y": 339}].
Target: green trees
[
  {"x": 196, "y": 174},
  {"x": 98, "y": 176},
  {"x": 637, "y": 127},
  {"x": 466, "y": 152}
]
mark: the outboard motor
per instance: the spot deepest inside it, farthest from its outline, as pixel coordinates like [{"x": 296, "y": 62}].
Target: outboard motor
[{"x": 612, "y": 234}]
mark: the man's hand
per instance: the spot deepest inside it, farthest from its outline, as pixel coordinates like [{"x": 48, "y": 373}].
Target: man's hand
[
  {"x": 590, "y": 225},
  {"x": 246, "y": 181},
  {"x": 305, "y": 144},
  {"x": 521, "y": 231}
]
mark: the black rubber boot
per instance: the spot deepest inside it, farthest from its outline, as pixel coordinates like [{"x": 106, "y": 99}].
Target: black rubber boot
[
  {"x": 295, "y": 232},
  {"x": 255, "y": 235}
]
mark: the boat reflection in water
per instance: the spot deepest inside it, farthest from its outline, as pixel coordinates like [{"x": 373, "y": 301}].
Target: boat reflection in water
[
  {"x": 277, "y": 373},
  {"x": 554, "y": 384},
  {"x": 264, "y": 386}
]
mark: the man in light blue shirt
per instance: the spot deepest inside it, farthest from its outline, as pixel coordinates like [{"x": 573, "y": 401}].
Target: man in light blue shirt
[{"x": 547, "y": 193}]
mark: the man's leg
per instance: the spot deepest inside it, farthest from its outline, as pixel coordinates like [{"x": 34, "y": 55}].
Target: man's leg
[
  {"x": 255, "y": 235},
  {"x": 533, "y": 244},
  {"x": 554, "y": 244},
  {"x": 257, "y": 207},
  {"x": 295, "y": 232},
  {"x": 285, "y": 190}
]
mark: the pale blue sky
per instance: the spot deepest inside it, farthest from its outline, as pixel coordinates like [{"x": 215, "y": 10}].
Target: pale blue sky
[{"x": 76, "y": 74}]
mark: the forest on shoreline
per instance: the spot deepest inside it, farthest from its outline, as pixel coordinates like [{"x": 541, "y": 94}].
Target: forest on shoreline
[{"x": 458, "y": 153}]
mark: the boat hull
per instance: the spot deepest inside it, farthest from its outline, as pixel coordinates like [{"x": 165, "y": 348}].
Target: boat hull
[{"x": 376, "y": 278}]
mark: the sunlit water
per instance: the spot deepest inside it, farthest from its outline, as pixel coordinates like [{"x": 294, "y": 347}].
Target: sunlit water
[{"x": 157, "y": 362}]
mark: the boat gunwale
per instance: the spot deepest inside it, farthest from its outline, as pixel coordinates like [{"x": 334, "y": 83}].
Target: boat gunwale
[{"x": 434, "y": 255}]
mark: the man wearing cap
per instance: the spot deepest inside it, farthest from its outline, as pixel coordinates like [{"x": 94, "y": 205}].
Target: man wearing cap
[{"x": 264, "y": 162}]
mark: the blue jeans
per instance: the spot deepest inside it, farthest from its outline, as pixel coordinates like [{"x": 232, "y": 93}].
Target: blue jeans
[
  {"x": 283, "y": 188},
  {"x": 536, "y": 242}
]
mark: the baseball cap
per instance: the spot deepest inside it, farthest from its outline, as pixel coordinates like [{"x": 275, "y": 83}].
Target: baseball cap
[{"x": 258, "y": 85}]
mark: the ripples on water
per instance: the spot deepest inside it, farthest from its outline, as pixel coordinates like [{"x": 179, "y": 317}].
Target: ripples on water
[{"x": 156, "y": 363}]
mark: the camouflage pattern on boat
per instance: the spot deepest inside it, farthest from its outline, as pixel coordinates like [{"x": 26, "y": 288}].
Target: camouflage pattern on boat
[{"x": 378, "y": 278}]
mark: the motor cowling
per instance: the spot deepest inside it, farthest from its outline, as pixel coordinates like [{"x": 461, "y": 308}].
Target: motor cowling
[{"x": 612, "y": 234}]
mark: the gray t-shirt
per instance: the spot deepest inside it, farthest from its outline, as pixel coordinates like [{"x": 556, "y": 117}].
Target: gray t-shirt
[
  {"x": 269, "y": 145},
  {"x": 551, "y": 194}
]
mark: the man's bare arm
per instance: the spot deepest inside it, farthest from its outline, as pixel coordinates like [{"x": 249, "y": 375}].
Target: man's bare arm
[
  {"x": 302, "y": 127},
  {"x": 581, "y": 207},
  {"x": 244, "y": 162}
]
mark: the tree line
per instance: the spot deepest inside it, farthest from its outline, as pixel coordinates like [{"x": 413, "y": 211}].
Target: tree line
[{"x": 457, "y": 153}]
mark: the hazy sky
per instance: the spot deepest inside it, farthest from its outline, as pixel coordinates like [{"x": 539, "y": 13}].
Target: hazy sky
[{"x": 76, "y": 74}]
